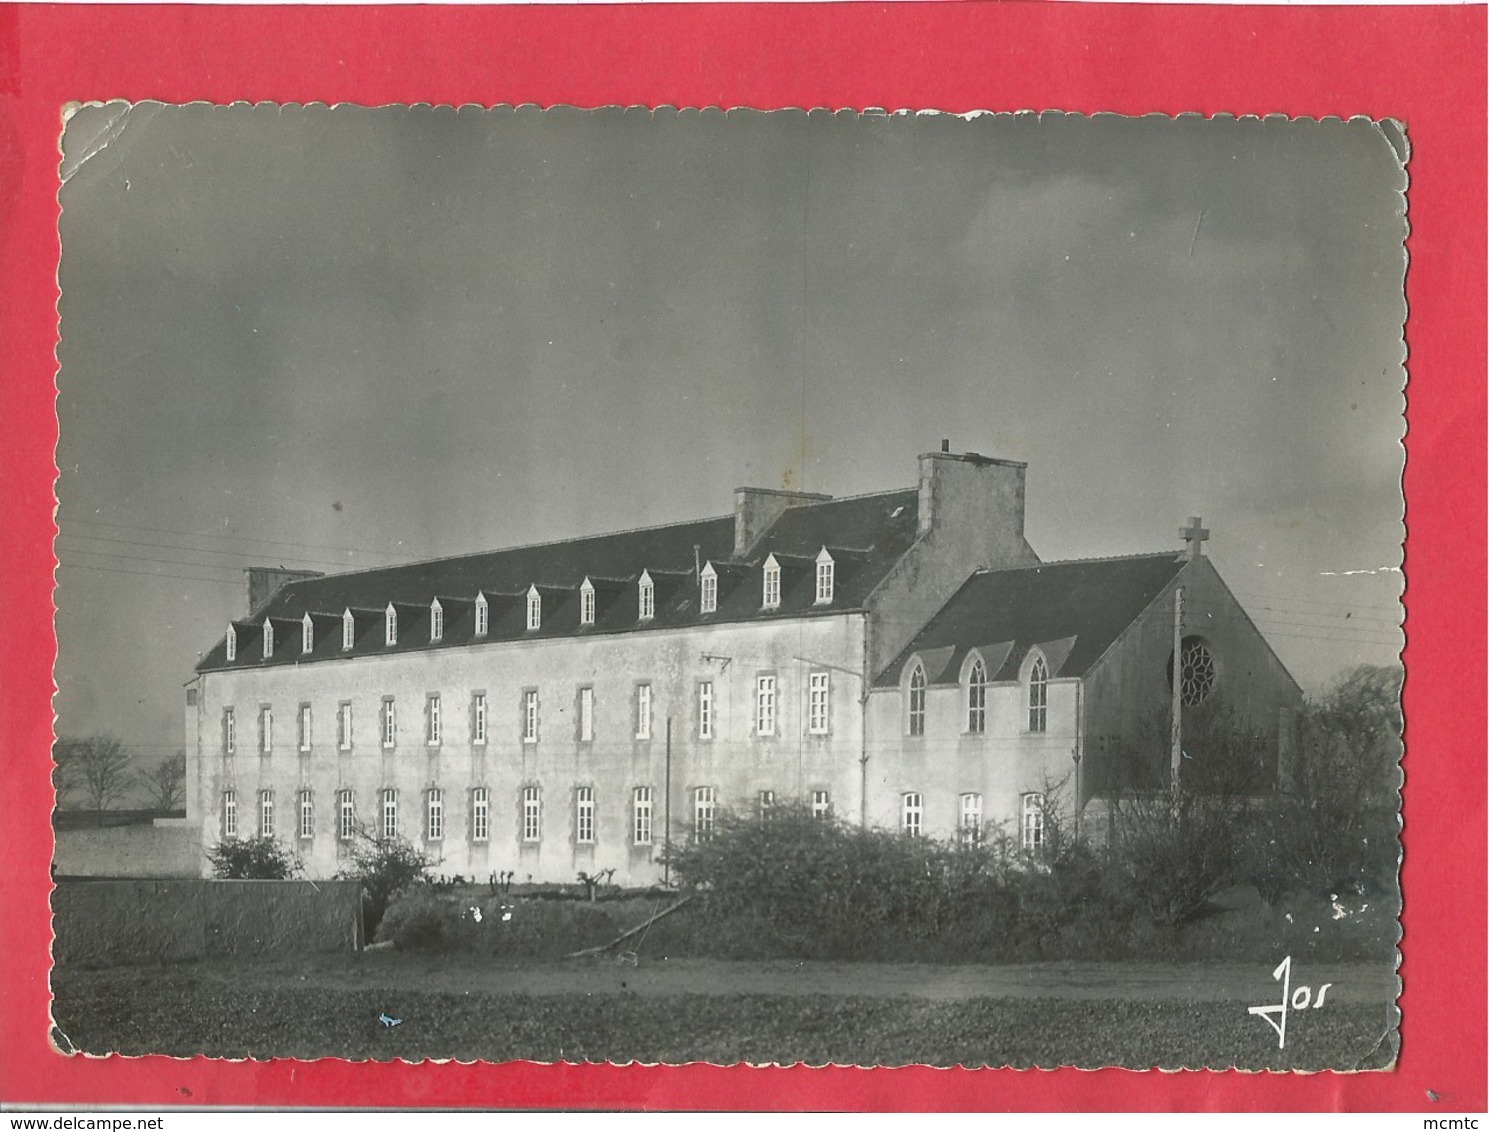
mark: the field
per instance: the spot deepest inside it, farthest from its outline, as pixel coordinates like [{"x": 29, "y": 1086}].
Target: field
[
  {"x": 690, "y": 990},
  {"x": 725, "y": 1012}
]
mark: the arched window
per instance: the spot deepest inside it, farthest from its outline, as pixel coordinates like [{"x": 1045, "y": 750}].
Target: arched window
[
  {"x": 1039, "y": 695},
  {"x": 977, "y": 698},
  {"x": 916, "y": 702},
  {"x": 1032, "y": 822}
]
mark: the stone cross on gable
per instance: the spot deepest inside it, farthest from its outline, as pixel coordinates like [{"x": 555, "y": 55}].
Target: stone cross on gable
[{"x": 1194, "y": 536}]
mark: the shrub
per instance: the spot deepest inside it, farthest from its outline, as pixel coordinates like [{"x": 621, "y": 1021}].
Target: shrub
[
  {"x": 417, "y": 920},
  {"x": 1175, "y": 853},
  {"x": 253, "y": 858},
  {"x": 386, "y": 866}
]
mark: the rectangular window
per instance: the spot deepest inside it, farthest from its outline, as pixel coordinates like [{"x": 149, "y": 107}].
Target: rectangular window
[
  {"x": 483, "y": 616},
  {"x": 434, "y": 815},
  {"x": 534, "y": 610},
  {"x": 643, "y": 711},
  {"x": 532, "y": 814},
  {"x": 765, "y": 705},
  {"x": 266, "y": 730},
  {"x": 478, "y": 719},
  {"x": 647, "y": 606},
  {"x": 266, "y": 813},
  {"x": 530, "y": 717},
  {"x": 584, "y": 815},
  {"x": 821, "y": 805},
  {"x": 970, "y": 825},
  {"x": 436, "y": 622},
  {"x": 480, "y": 814},
  {"x": 433, "y": 730},
  {"x": 705, "y": 709},
  {"x": 307, "y": 815},
  {"x": 304, "y": 727},
  {"x": 824, "y": 581},
  {"x": 307, "y": 634},
  {"x": 641, "y": 815},
  {"x": 587, "y": 605},
  {"x": 910, "y": 814},
  {"x": 390, "y": 813},
  {"x": 344, "y": 726},
  {"x": 772, "y": 595},
  {"x": 348, "y": 630},
  {"x": 709, "y": 598},
  {"x": 229, "y": 732},
  {"x": 586, "y": 715},
  {"x": 390, "y": 723},
  {"x": 1033, "y": 822},
  {"x": 703, "y": 812},
  {"x": 229, "y": 813},
  {"x": 817, "y": 702},
  {"x": 346, "y": 816},
  {"x": 767, "y": 804}
]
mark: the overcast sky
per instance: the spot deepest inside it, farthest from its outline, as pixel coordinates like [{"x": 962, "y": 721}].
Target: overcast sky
[{"x": 324, "y": 337}]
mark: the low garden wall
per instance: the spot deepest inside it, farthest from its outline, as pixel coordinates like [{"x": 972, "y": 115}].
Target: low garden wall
[{"x": 107, "y": 923}]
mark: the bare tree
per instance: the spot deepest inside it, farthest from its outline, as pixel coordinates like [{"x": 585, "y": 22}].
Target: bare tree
[
  {"x": 94, "y": 767},
  {"x": 165, "y": 783}
]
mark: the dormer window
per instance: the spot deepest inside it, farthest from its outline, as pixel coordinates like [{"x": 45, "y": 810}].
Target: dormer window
[
  {"x": 534, "y": 609},
  {"x": 771, "y": 595},
  {"x": 390, "y": 625},
  {"x": 825, "y": 573},
  {"x": 436, "y": 621},
  {"x": 231, "y": 642},
  {"x": 646, "y": 598},
  {"x": 708, "y": 590},
  {"x": 483, "y": 615},
  {"x": 307, "y": 634},
  {"x": 348, "y": 630},
  {"x": 268, "y": 639},
  {"x": 587, "y": 603}
]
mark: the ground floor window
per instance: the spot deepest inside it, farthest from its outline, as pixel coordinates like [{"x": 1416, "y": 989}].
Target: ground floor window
[
  {"x": 703, "y": 812},
  {"x": 434, "y": 815},
  {"x": 910, "y": 814},
  {"x": 584, "y": 815},
  {"x": 480, "y": 814},
  {"x": 641, "y": 815},
  {"x": 821, "y": 804},
  {"x": 307, "y": 814},
  {"x": 1033, "y": 822},
  {"x": 390, "y": 813},
  {"x": 532, "y": 814},
  {"x": 970, "y": 823}
]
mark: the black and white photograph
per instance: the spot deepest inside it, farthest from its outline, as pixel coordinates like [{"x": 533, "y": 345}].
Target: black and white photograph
[{"x": 684, "y": 585}]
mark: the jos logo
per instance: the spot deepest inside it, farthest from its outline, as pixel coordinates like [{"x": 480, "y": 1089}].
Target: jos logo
[{"x": 1298, "y": 999}]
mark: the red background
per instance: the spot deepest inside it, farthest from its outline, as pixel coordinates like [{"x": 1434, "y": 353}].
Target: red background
[{"x": 1425, "y": 66}]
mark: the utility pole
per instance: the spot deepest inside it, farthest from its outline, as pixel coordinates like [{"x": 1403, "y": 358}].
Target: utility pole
[
  {"x": 667, "y": 814},
  {"x": 1175, "y": 730}
]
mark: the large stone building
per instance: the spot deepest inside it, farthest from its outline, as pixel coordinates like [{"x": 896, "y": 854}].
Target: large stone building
[{"x": 901, "y": 658}]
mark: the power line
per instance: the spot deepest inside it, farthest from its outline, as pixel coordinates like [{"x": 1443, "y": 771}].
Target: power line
[
  {"x": 147, "y": 573},
  {"x": 197, "y": 549},
  {"x": 234, "y": 538}
]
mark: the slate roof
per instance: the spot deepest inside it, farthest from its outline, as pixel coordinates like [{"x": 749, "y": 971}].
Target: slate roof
[
  {"x": 866, "y": 535},
  {"x": 1072, "y": 608}
]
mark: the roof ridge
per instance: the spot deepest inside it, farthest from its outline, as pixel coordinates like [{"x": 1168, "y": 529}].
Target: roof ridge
[
  {"x": 862, "y": 495},
  {"x": 1176, "y": 555},
  {"x": 510, "y": 549}
]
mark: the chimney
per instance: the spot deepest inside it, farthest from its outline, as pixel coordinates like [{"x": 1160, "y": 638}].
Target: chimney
[
  {"x": 263, "y": 581},
  {"x": 757, "y": 508},
  {"x": 975, "y": 493}
]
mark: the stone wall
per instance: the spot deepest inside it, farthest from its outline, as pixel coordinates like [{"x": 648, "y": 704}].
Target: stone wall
[{"x": 116, "y": 922}]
